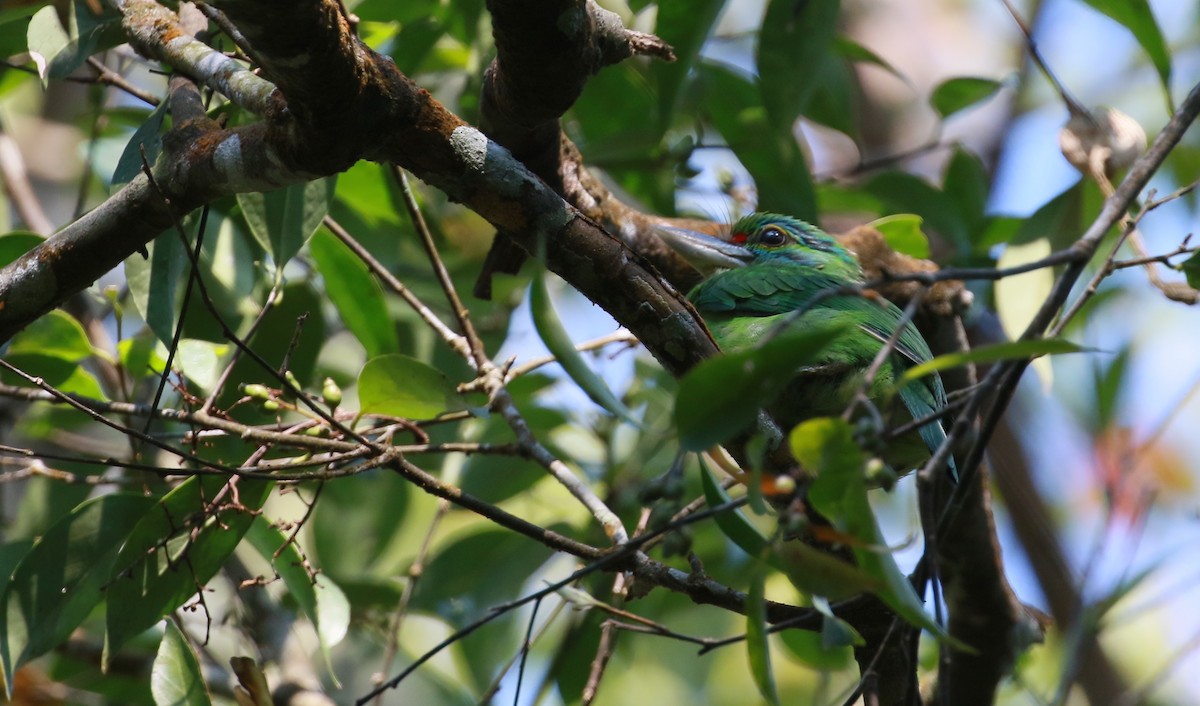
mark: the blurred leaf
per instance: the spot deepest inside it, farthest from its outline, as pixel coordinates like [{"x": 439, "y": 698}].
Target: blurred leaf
[
  {"x": 554, "y": 335},
  {"x": 16, "y": 243},
  {"x": 907, "y": 193},
  {"x": 733, "y": 523},
  {"x": 1136, "y": 16},
  {"x": 147, "y": 137},
  {"x": 966, "y": 184},
  {"x": 998, "y": 230},
  {"x": 684, "y": 24},
  {"x": 903, "y": 234},
  {"x": 956, "y": 94},
  {"x": 174, "y": 550},
  {"x": 991, "y": 354},
  {"x": 834, "y": 102},
  {"x": 354, "y": 524},
  {"x": 1019, "y": 297},
  {"x": 14, "y": 29},
  {"x": 175, "y": 679},
  {"x": 11, "y": 554},
  {"x": 400, "y": 386},
  {"x": 826, "y": 448},
  {"x": 793, "y": 44},
  {"x": 853, "y": 51},
  {"x": 55, "y": 335},
  {"x": 1110, "y": 387},
  {"x": 758, "y": 650},
  {"x": 60, "y": 50},
  {"x": 62, "y": 578},
  {"x": 722, "y": 396},
  {"x": 200, "y": 361},
  {"x": 356, "y": 294},
  {"x": 1191, "y": 269},
  {"x": 153, "y": 283},
  {"x": 772, "y": 155},
  {"x": 282, "y": 220},
  {"x": 319, "y": 598},
  {"x": 1060, "y": 219}
]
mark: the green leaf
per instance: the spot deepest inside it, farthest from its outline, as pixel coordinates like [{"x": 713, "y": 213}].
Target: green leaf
[
  {"x": 826, "y": 448},
  {"x": 321, "y": 601},
  {"x": 400, "y": 386},
  {"x": 794, "y": 42},
  {"x": 176, "y": 679},
  {"x": 771, "y": 154},
  {"x": 55, "y": 335},
  {"x": 990, "y": 354},
  {"x": 60, "y": 50},
  {"x": 1191, "y": 269},
  {"x": 1060, "y": 219},
  {"x": 1136, "y": 16},
  {"x": 732, "y": 523},
  {"x": 63, "y": 577},
  {"x": 903, "y": 234},
  {"x": 721, "y": 397},
  {"x": 200, "y": 361},
  {"x": 46, "y": 38},
  {"x": 685, "y": 25},
  {"x": 153, "y": 283},
  {"x": 147, "y": 137},
  {"x": 14, "y": 29},
  {"x": 356, "y": 294},
  {"x": 176, "y": 547},
  {"x": 956, "y": 94},
  {"x": 907, "y": 193},
  {"x": 757, "y": 648},
  {"x": 282, "y": 220},
  {"x": 16, "y": 243},
  {"x": 851, "y": 50},
  {"x": 554, "y": 335}
]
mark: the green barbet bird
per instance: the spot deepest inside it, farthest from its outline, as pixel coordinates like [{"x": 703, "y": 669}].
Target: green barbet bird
[{"x": 769, "y": 275}]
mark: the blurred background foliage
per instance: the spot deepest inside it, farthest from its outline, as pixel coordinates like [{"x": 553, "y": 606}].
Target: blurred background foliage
[{"x": 868, "y": 109}]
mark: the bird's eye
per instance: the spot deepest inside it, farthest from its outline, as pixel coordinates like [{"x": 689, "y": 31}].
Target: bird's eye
[{"x": 772, "y": 237}]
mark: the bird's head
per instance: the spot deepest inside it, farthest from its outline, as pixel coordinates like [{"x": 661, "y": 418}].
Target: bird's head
[{"x": 762, "y": 238}]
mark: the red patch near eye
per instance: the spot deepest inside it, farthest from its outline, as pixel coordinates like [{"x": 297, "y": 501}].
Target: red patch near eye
[{"x": 739, "y": 238}]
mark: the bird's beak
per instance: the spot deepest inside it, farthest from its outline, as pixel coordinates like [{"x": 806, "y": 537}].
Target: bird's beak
[{"x": 705, "y": 252}]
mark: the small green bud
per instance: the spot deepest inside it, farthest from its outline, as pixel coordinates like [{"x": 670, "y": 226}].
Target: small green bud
[
  {"x": 270, "y": 406},
  {"x": 879, "y": 474},
  {"x": 291, "y": 379},
  {"x": 256, "y": 391},
  {"x": 331, "y": 393},
  {"x": 318, "y": 430}
]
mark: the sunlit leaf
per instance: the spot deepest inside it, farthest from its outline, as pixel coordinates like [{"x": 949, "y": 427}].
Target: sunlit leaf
[
  {"x": 55, "y": 335},
  {"x": 16, "y": 243},
  {"x": 1019, "y": 297},
  {"x": 903, "y": 234},
  {"x": 401, "y": 386},
  {"x": 175, "y": 679}
]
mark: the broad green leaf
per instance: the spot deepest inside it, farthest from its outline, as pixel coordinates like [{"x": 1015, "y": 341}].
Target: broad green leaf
[
  {"x": 139, "y": 355},
  {"x": 282, "y": 220},
  {"x": 966, "y": 183},
  {"x": 321, "y": 601},
  {"x": 721, "y": 397},
  {"x": 795, "y": 40},
  {"x": 853, "y": 51},
  {"x": 1060, "y": 219},
  {"x": 1136, "y": 16},
  {"x": 55, "y": 335},
  {"x": 758, "y": 650},
  {"x": 60, "y": 50},
  {"x": 554, "y": 335},
  {"x": 63, "y": 577},
  {"x": 907, "y": 193},
  {"x": 733, "y": 523},
  {"x": 46, "y": 38},
  {"x": 771, "y": 154},
  {"x": 826, "y": 448},
  {"x": 684, "y": 24},
  {"x": 154, "y": 282},
  {"x": 991, "y": 354},
  {"x": 11, "y": 554},
  {"x": 903, "y": 234},
  {"x": 356, "y": 294},
  {"x": 200, "y": 361},
  {"x": 16, "y": 243},
  {"x": 176, "y": 547},
  {"x": 400, "y": 386},
  {"x": 147, "y": 138},
  {"x": 957, "y": 94},
  {"x": 834, "y": 101},
  {"x": 14, "y": 28},
  {"x": 176, "y": 679}
]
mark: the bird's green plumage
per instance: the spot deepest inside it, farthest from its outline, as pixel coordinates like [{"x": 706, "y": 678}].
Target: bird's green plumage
[{"x": 788, "y": 275}]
